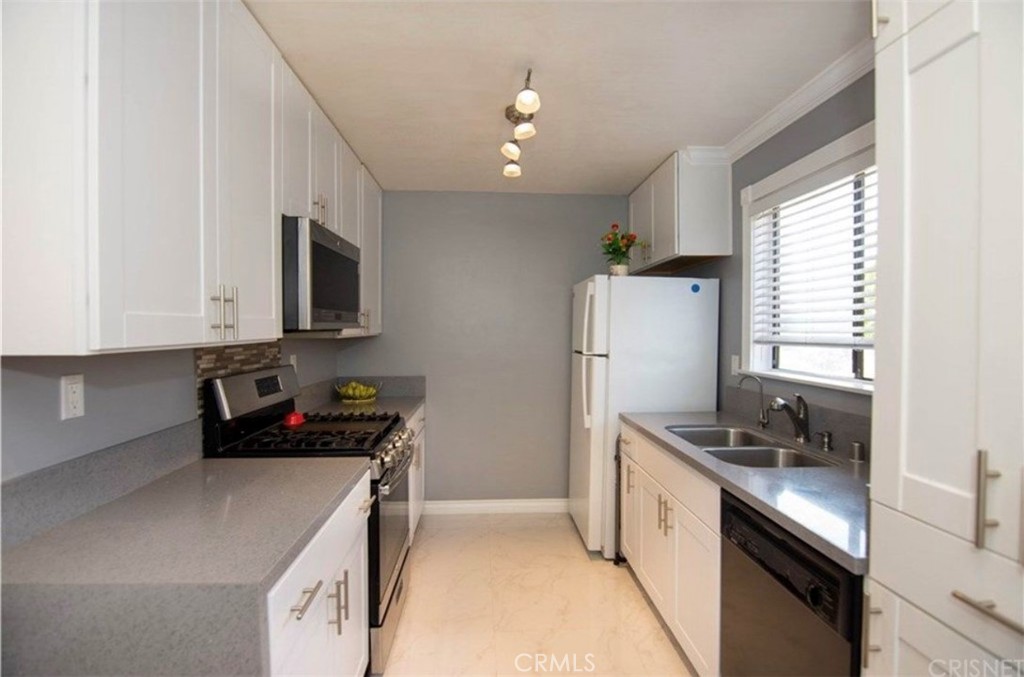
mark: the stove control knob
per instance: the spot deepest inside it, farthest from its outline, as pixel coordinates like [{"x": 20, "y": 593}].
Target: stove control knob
[{"x": 388, "y": 458}]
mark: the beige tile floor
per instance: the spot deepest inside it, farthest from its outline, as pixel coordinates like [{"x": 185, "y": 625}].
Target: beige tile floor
[{"x": 518, "y": 594}]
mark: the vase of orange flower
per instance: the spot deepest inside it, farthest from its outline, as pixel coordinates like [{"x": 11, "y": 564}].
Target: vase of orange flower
[{"x": 616, "y": 246}]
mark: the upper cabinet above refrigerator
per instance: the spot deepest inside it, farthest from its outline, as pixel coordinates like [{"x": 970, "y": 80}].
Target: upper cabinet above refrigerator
[{"x": 683, "y": 210}]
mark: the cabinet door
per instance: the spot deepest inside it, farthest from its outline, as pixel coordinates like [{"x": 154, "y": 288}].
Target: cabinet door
[
  {"x": 349, "y": 613},
  {"x": 417, "y": 484},
  {"x": 641, "y": 211},
  {"x": 695, "y": 621},
  {"x": 901, "y": 640},
  {"x": 248, "y": 221},
  {"x": 657, "y": 560},
  {"x": 665, "y": 210},
  {"x": 311, "y": 653},
  {"x": 325, "y": 170},
  {"x": 146, "y": 234},
  {"x": 629, "y": 493},
  {"x": 296, "y": 165},
  {"x": 370, "y": 253},
  {"x": 948, "y": 125},
  {"x": 349, "y": 171}
]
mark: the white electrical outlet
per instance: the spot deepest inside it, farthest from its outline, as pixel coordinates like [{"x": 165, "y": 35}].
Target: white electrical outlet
[
  {"x": 72, "y": 396},
  {"x": 294, "y": 361},
  {"x": 735, "y": 361}
]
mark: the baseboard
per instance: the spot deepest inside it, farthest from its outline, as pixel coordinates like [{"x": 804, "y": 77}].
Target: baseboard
[{"x": 523, "y": 505}]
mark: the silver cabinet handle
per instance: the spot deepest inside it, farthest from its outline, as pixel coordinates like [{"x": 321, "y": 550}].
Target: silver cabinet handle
[
  {"x": 344, "y": 606},
  {"x": 981, "y": 519},
  {"x": 661, "y": 518},
  {"x": 988, "y": 607},
  {"x": 629, "y": 479},
  {"x": 336, "y": 596},
  {"x": 234, "y": 307},
  {"x": 301, "y": 608},
  {"x": 876, "y": 20},
  {"x": 627, "y": 441},
  {"x": 365, "y": 506},
  {"x": 866, "y": 647},
  {"x": 668, "y": 524},
  {"x": 219, "y": 297}
]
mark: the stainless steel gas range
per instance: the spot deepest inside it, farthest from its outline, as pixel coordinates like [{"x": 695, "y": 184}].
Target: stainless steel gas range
[{"x": 253, "y": 414}]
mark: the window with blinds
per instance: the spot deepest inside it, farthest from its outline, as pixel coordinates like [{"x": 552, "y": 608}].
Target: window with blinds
[{"x": 813, "y": 279}]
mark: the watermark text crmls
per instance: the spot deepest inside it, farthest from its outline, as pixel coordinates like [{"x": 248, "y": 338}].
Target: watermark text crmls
[
  {"x": 542, "y": 662},
  {"x": 976, "y": 667}
]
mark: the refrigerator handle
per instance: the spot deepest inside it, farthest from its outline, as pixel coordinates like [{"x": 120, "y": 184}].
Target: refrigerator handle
[
  {"x": 586, "y": 319},
  {"x": 584, "y": 378}
]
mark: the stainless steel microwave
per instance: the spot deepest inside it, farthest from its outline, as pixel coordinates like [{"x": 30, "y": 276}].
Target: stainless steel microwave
[{"x": 320, "y": 273}]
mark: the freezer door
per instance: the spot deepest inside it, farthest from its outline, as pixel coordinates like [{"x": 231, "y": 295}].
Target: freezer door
[
  {"x": 590, "y": 316},
  {"x": 586, "y": 446}
]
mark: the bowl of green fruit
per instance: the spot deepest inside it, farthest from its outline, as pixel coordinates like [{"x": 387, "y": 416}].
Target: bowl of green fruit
[{"x": 355, "y": 392}]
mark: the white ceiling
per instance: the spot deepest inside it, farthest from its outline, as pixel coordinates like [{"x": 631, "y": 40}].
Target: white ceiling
[{"x": 419, "y": 88}]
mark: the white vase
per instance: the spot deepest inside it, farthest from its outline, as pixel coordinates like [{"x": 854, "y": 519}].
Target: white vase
[{"x": 620, "y": 269}]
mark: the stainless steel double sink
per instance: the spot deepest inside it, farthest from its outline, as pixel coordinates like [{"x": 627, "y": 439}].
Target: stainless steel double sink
[{"x": 748, "y": 448}]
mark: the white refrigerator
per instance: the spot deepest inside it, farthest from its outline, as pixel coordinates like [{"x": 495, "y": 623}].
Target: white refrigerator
[{"x": 640, "y": 344}]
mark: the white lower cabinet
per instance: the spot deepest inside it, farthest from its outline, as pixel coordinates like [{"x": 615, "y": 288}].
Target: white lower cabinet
[
  {"x": 695, "y": 621},
  {"x": 317, "y": 613},
  {"x": 629, "y": 499},
  {"x": 900, "y": 639},
  {"x": 417, "y": 478},
  {"x": 669, "y": 535}
]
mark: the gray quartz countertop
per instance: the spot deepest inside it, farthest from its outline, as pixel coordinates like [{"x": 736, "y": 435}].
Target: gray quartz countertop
[
  {"x": 826, "y": 507},
  {"x": 171, "y": 578},
  {"x": 216, "y": 521},
  {"x": 406, "y": 406}
]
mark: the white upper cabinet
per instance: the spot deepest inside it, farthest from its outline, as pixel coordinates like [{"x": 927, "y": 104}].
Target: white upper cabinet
[
  {"x": 683, "y": 209},
  {"x": 248, "y": 217},
  {"x": 296, "y": 165},
  {"x": 349, "y": 170},
  {"x": 324, "y": 144},
  {"x": 370, "y": 253},
  {"x": 105, "y": 217},
  {"x": 146, "y": 234},
  {"x": 949, "y": 125}
]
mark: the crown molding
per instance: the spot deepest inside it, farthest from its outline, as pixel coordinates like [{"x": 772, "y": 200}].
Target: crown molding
[
  {"x": 836, "y": 77},
  {"x": 706, "y": 155}
]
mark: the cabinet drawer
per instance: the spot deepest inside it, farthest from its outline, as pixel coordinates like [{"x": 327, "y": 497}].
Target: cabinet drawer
[
  {"x": 907, "y": 641},
  {"x": 699, "y": 494},
  {"x": 939, "y": 563},
  {"x": 630, "y": 439},
  {"x": 316, "y": 563}
]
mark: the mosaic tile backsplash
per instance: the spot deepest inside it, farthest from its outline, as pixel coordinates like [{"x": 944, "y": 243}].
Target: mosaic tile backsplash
[{"x": 233, "y": 359}]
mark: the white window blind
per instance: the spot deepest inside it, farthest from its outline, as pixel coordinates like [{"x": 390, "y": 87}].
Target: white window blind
[{"x": 814, "y": 266}]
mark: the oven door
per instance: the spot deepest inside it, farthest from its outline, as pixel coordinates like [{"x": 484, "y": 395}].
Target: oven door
[{"x": 393, "y": 534}]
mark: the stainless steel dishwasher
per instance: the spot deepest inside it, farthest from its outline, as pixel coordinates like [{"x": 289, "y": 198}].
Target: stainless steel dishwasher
[{"x": 786, "y": 609}]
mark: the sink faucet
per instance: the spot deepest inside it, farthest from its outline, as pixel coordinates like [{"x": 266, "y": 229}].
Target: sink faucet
[
  {"x": 799, "y": 416},
  {"x": 762, "y": 413}
]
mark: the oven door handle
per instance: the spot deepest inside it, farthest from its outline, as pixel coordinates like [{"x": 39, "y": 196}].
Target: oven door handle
[{"x": 395, "y": 477}]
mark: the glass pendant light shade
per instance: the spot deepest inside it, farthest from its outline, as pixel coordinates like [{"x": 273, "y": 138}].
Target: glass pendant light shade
[
  {"x": 524, "y": 130},
  {"x": 527, "y": 101},
  {"x": 512, "y": 169},
  {"x": 511, "y": 150}
]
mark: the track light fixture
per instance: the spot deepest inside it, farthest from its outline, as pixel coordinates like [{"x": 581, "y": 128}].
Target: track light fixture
[
  {"x": 527, "y": 100},
  {"x": 511, "y": 149},
  {"x": 520, "y": 114}
]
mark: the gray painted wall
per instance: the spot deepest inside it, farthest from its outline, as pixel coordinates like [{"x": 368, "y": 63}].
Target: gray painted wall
[
  {"x": 478, "y": 290},
  {"x": 849, "y": 109},
  {"x": 127, "y": 396}
]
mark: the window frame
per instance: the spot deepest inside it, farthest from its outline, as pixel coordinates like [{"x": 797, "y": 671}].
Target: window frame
[{"x": 761, "y": 360}]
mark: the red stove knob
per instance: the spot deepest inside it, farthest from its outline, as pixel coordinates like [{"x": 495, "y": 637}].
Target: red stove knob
[{"x": 294, "y": 419}]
